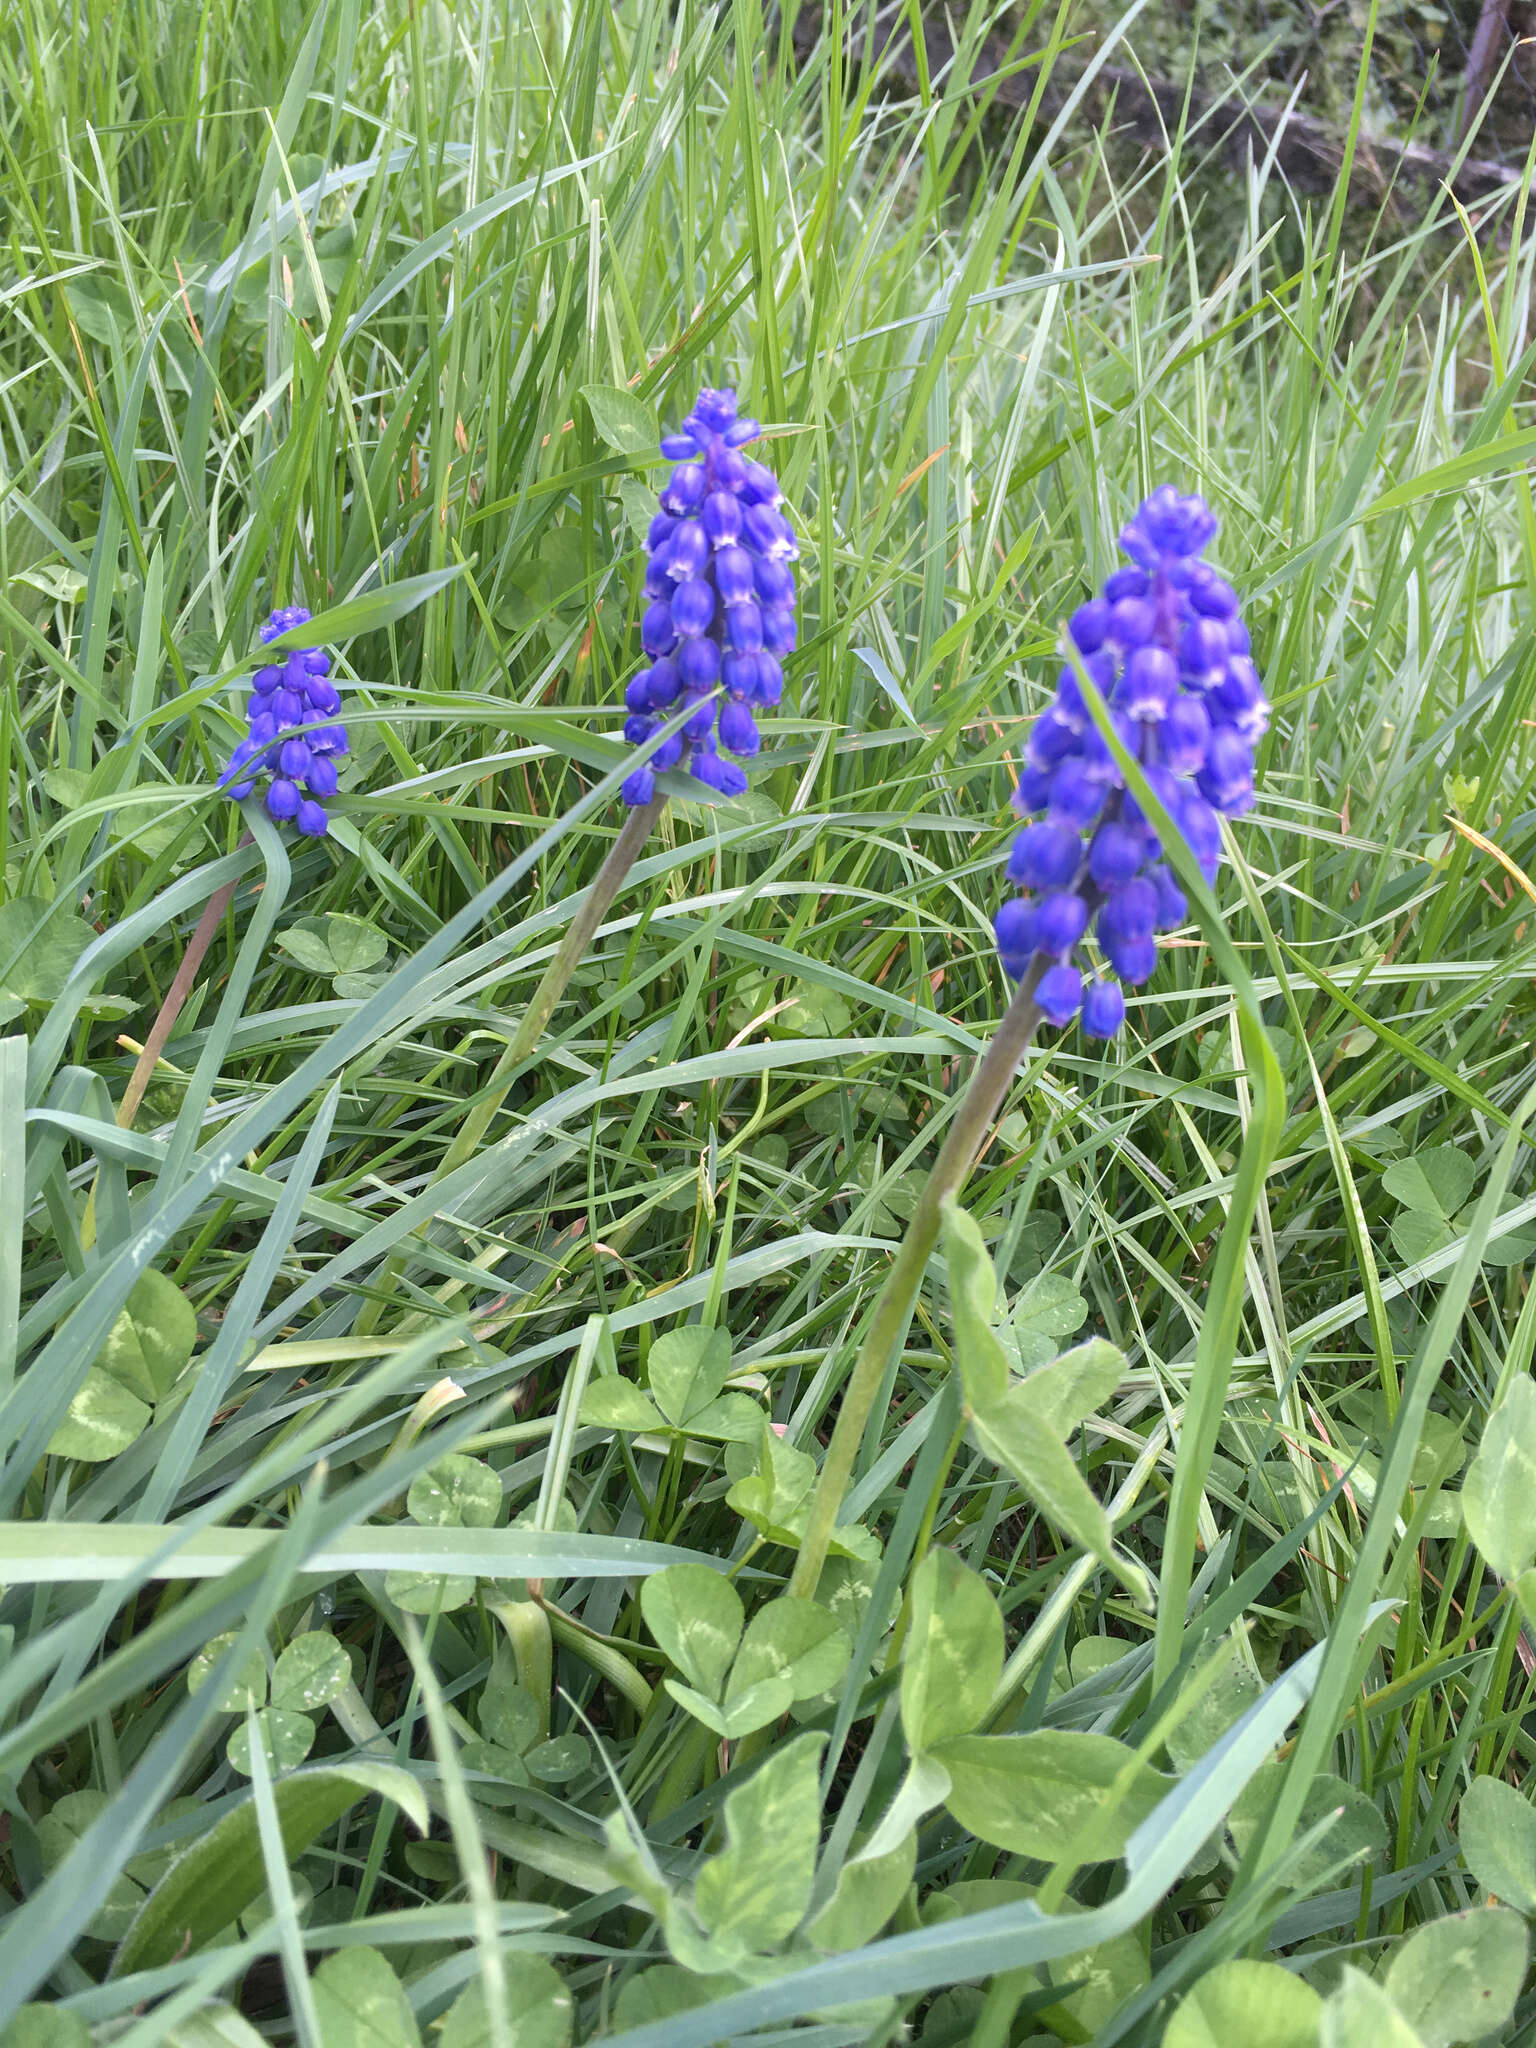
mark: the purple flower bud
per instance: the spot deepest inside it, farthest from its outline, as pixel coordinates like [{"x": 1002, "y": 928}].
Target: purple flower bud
[
  {"x": 1132, "y": 622},
  {"x": 658, "y": 574},
  {"x": 1238, "y": 637},
  {"x": 311, "y": 819},
  {"x": 1129, "y": 913},
  {"x": 702, "y": 722},
  {"x": 329, "y": 739},
  {"x": 1034, "y": 790},
  {"x": 698, "y": 663},
  {"x": 775, "y": 581},
  {"x": 1213, "y": 596},
  {"x": 665, "y": 682},
  {"x": 1051, "y": 740},
  {"x": 1184, "y": 735},
  {"x": 738, "y": 730},
  {"x": 668, "y": 752},
  {"x": 678, "y": 447},
  {"x": 767, "y": 531},
  {"x": 659, "y": 532},
  {"x": 734, "y": 576},
  {"x": 759, "y": 485},
  {"x": 294, "y": 760},
  {"x": 1076, "y": 799},
  {"x": 693, "y": 606},
  {"x": 1172, "y": 903},
  {"x": 266, "y": 680},
  {"x": 320, "y": 780},
  {"x": 282, "y": 799},
  {"x": 1116, "y": 855},
  {"x": 740, "y": 432},
  {"x": 1045, "y": 857},
  {"x": 1149, "y": 683},
  {"x": 1062, "y": 920},
  {"x": 321, "y": 696},
  {"x": 1103, "y": 1009},
  {"x": 287, "y": 707},
  {"x": 1133, "y": 959},
  {"x": 1202, "y": 646},
  {"x": 717, "y": 773},
  {"x": 637, "y": 692},
  {"x": 685, "y": 489},
  {"x": 1126, "y": 583},
  {"x": 1089, "y": 626},
  {"x": 689, "y": 550},
  {"x": 722, "y": 518},
  {"x": 638, "y": 728},
  {"x": 744, "y": 627},
  {"x": 770, "y": 680},
  {"x": 738, "y": 672},
  {"x": 1169, "y": 794},
  {"x": 638, "y": 788},
  {"x": 656, "y": 634},
  {"x": 1202, "y": 833},
  {"x": 1015, "y": 926},
  {"x": 731, "y": 471},
  {"x": 1226, "y": 780},
  {"x": 780, "y": 633},
  {"x": 1060, "y": 993}
]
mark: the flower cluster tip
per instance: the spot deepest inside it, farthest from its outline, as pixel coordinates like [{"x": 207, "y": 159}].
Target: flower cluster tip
[
  {"x": 721, "y": 604},
  {"x": 1166, "y": 650},
  {"x": 292, "y": 735}
]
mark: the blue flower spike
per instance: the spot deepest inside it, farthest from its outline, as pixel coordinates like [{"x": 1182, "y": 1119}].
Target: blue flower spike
[
  {"x": 291, "y": 735},
  {"x": 1168, "y": 653},
  {"x": 720, "y": 612}
]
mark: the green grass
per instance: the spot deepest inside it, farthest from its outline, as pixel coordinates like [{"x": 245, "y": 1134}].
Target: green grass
[{"x": 300, "y": 308}]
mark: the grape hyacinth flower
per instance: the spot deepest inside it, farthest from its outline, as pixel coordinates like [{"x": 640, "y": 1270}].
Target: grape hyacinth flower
[
  {"x": 1169, "y": 655},
  {"x": 721, "y": 603},
  {"x": 291, "y": 735}
]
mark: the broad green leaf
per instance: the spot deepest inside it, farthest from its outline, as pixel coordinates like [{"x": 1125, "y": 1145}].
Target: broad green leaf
[
  {"x": 1218, "y": 1703},
  {"x": 429, "y": 1592},
  {"x": 686, "y": 1369},
  {"x": 1257, "y": 2004},
  {"x": 1044, "y": 1312},
  {"x": 311, "y": 1672},
  {"x": 732, "y": 1418},
  {"x": 1361, "y": 2015},
  {"x": 46, "y": 2026},
  {"x": 981, "y": 1358},
  {"x": 101, "y": 1421},
  {"x": 560, "y": 1758},
  {"x": 692, "y": 1701},
  {"x": 1106, "y": 1976},
  {"x": 1457, "y": 1979},
  {"x": 46, "y": 940},
  {"x": 215, "y": 2026},
  {"x": 248, "y": 1686},
  {"x": 307, "y": 944},
  {"x": 614, "y": 1403},
  {"x": 1357, "y": 1828},
  {"x": 1436, "y": 1182},
  {"x": 456, "y": 1492},
  {"x": 212, "y": 1882},
  {"x": 795, "y": 1640},
  {"x": 360, "y": 2002},
  {"x": 812, "y": 1011},
  {"x": 953, "y": 1655},
  {"x": 539, "y": 2011},
  {"x": 354, "y": 944},
  {"x": 756, "y": 1890},
  {"x": 662, "y": 1992},
  {"x": 769, "y": 1495},
  {"x": 148, "y": 1347},
  {"x": 1010, "y": 1434},
  {"x": 696, "y": 1618},
  {"x": 1049, "y": 1794},
  {"x": 1498, "y": 1839},
  {"x": 286, "y": 1738},
  {"x": 768, "y": 1700},
  {"x": 623, "y": 421},
  {"x": 639, "y": 510},
  {"x": 1498, "y": 1495},
  {"x": 1064, "y": 1393},
  {"x": 509, "y": 1714},
  {"x": 57, "y": 1834},
  {"x": 494, "y": 1761},
  {"x": 869, "y": 1889},
  {"x": 1416, "y": 1233}
]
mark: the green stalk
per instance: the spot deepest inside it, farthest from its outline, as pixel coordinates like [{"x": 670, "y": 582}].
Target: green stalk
[
  {"x": 607, "y": 884},
  {"x": 888, "y": 1324},
  {"x": 610, "y": 879}
]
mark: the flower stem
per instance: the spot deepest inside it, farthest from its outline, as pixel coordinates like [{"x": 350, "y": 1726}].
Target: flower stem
[
  {"x": 607, "y": 884},
  {"x": 887, "y": 1325}
]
